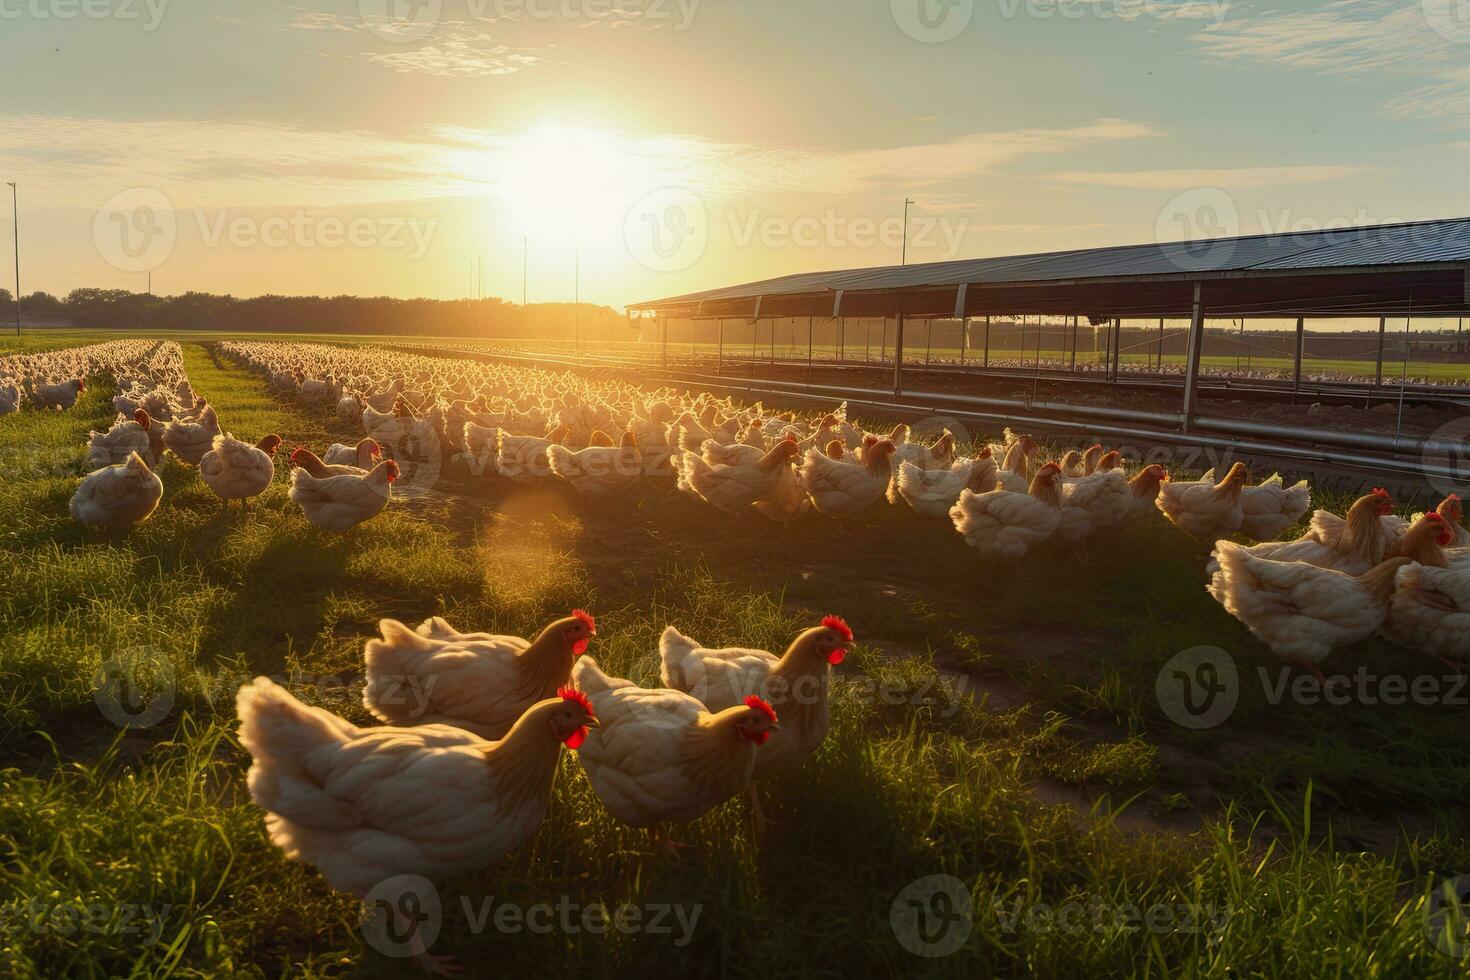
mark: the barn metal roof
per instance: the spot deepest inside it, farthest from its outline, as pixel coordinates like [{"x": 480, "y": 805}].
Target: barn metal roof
[{"x": 1375, "y": 248}]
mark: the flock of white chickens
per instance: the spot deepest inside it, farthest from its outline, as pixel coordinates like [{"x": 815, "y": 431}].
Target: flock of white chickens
[{"x": 477, "y": 720}]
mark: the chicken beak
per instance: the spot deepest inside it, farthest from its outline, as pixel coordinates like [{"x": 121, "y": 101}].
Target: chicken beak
[
  {"x": 592, "y": 723},
  {"x": 774, "y": 727}
]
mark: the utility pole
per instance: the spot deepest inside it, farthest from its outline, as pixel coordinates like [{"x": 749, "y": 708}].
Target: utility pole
[
  {"x": 577, "y": 303},
  {"x": 525, "y": 266},
  {"x": 15, "y": 205},
  {"x": 904, "y": 259}
]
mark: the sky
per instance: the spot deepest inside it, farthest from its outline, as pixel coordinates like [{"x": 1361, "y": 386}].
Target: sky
[{"x": 625, "y": 150}]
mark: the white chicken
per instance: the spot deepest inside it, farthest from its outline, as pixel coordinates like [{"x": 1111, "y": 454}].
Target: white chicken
[
  {"x": 9, "y": 398},
  {"x": 841, "y": 488},
  {"x": 117, "y": 496},
  {"x": 1004, "y": 525},
  {"x": 523, "y": 458},
  {"x": 736, "y": 486},
  {"x": 127, "y": 436},
  {"x": 1143, "y": 491},
  {"x": 236, "y": 470},
  {"x": 189, "y": 441},
  {"x": 58, "y": 396},
  {"x": 1351, "y": 545},
  {"x": 476, "y": 681},
  {"x": 940, "y": 456},
  {"x": 365, "y": 805},
  {"x": 598, "y": 471},
  {"x": 1205, "y": 509},
  {"x": 1302, "y": 612},
  {"x": 1271, "y": 507},
  {"x": 1430, "y": 612},
  {"x": 364, "y": 455},
  {"x": 337, "y": 503},
  {"x": 795, "y": 684},
  {"x": 931, "y": 493},
  {"x": 659, "y": 755}
]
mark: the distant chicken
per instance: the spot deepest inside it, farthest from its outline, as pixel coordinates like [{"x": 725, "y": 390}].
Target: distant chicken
[
  {"x": 1271, "y": 507},
  {"x": 127, "y": 436},
  {"x": 120, "y": 495},
  {"x": 366, "y": 805},
  {"x": 1450, "y": 509},
  {"x": 523, "y": 458},
  {"x": 1205, "y": 509},
  {"x": 734, "y": 487},
  {"x": 841, "y": 488},
  {"x": 598, "y": 471},
  {"x": 337, "y": 503},
  {"x": 1004, "y": 525},
  {"x": 9, "y": 398},
  {"x": 1015, "y": 468},
  {"x": 58, "y": 396},
  {"x": 364, "y": 455},
  {"x": 660, "y": 756},
  {"x": 795, "y": 684},
  {"x": 1302, "y": 612},
  {"x": 475, "y": 681},
  {"x": 236, "y": 470},
  {"x": 189, "y": 441},
  {"x": 931, "y": 493}
]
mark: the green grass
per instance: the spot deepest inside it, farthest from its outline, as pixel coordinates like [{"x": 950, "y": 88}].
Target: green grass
[{"x": 1310, "y": 833}]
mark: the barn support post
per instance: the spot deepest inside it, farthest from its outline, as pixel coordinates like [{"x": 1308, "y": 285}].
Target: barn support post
[
  {"x": 1196, "y": 347},
  {"x": 986, "y": 362},
  {"x": 964, "y": 337},
  {"x": 1378, "y": 376},
  {"x": 898, "y": 352},
  {"x": 1301, "y": 339},
  {"x": 1074, "y": 344},
  {"x": 1159, "y": 367},
  {"x": 663, "y": 323},
  {"x": 810, "y": 329},
  {"x": 720, "y": 348}
]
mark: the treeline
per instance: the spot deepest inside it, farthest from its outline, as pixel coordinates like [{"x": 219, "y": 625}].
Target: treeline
[{"x": 120, "y": 309}]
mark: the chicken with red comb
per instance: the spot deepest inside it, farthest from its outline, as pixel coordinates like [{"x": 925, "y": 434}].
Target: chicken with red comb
[
  {"x": 370, "y": 806},
  {"x": 796, "y": 684},
  {"x": 660, "y": 756},
  {"x": 481, "y": 682}
]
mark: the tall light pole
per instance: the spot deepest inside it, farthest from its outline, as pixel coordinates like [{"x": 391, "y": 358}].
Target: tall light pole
[
  {"x": 15, "y": 206},
  {"x": 577, "y": 303},
  {"x": 905, "y": 258}
]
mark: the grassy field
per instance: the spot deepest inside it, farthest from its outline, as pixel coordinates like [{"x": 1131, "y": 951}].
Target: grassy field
[{"x": 998, "y": 725}]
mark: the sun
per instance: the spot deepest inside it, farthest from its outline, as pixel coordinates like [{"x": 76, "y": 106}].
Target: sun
[{"x": 565, "y": 184}]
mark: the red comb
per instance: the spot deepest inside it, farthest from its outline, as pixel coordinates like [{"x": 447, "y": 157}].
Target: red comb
[
  {"x": 580, "y": 697},
  {"x": 762, "y": 705},
  {"x": 1434, "y": 516},
  {"x": 1453, "y": 496},
  {"x": 586, "y": 619},
  {"x": 1380, "y": 492},
  {"x": 838, "y": 624}
]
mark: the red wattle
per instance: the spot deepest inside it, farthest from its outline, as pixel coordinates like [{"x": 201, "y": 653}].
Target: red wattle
[
  {"x": 580, "y": 647},
  {"x": 836, "y": 657},
  {"x": 575, "y": 740}
]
